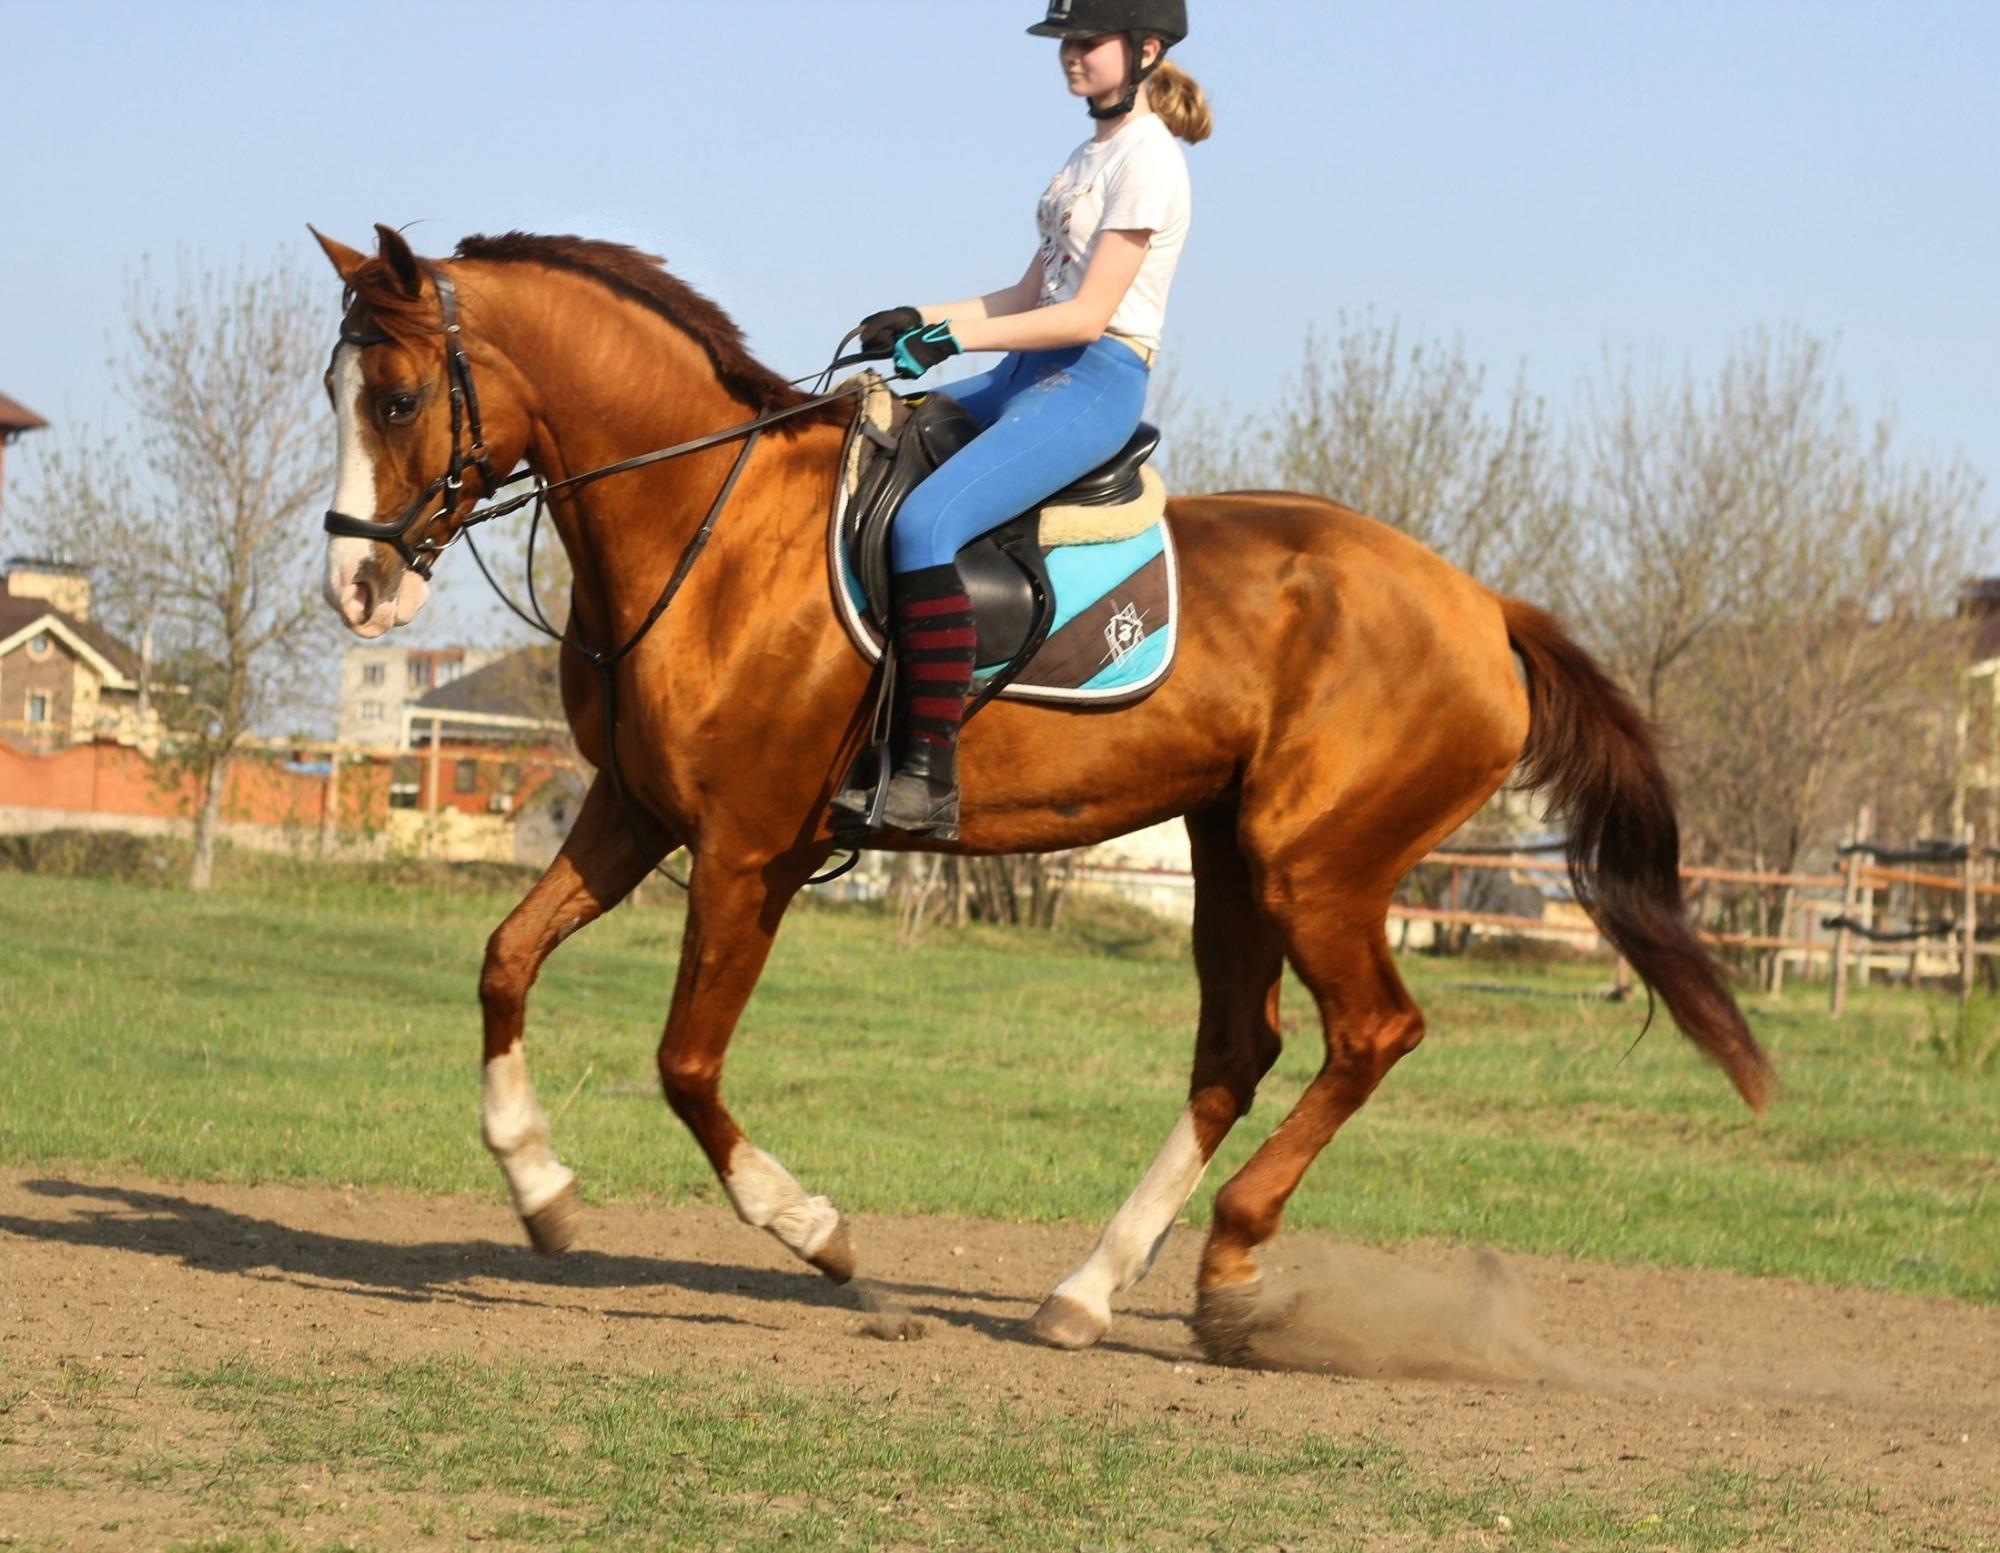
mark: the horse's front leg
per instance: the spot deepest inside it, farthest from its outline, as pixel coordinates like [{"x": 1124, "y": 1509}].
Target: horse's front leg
[
  {"x": 600, "y": 861},
  {"x": 733, "y": 912}
]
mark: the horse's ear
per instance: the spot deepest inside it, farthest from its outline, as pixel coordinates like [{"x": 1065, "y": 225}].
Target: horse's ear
[
  {"x": 403, "y": 264},
  {"x": 345, "y": 260}
]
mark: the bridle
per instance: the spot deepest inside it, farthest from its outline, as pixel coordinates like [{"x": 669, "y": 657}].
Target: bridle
[
  {"x": 450, "y": 485},
  {"x": 447, "y": 488},
  {"x": 440, "y": 500}
]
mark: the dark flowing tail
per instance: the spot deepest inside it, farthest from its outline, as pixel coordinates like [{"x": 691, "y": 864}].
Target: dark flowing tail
[{"x": 1592, "y": 750}]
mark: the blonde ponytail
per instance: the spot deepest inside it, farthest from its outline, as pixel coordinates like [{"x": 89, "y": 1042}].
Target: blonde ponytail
[{"x": 1180, "y": 102}]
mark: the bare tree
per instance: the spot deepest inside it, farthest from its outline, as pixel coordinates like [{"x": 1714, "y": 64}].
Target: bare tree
[
  {"x": 196, "y": 523},
  {"x": 1779, "y": 584},
  {"x": 1407, "y": 433}
]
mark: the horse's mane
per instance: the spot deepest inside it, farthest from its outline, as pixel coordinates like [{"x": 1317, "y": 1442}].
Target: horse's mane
[{"x": 625, "y": 271}]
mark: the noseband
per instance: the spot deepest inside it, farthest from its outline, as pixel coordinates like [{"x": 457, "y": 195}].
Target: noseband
[{"x": 440, "y": 498}]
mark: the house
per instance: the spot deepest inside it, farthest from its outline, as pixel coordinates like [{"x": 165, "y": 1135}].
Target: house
[
  {"x": 379, "y": 683},
  {"x": 509, "y": 699},
  {"x": 63, "y": 678},
  {"x": 482, "y": 766}
]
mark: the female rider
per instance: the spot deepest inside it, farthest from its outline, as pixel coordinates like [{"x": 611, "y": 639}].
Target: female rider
[{"x": 1080, "y": 327}]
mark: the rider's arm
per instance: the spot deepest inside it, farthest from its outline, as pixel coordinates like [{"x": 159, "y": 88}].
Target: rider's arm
[
  {"x": 1114, "y": 263},
  {"x": 1017, "y": 298}
]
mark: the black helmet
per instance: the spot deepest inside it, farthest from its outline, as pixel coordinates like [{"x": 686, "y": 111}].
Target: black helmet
[
  {"x": 1163, "y": 19},
  {"x": 1137, "y": 19}
]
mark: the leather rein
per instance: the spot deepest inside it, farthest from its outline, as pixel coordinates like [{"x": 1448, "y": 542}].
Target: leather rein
[{"x": 441, "y": 498}]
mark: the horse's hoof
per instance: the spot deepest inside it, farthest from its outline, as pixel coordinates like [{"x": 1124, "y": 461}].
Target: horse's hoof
[
  {"x": 1066, "y": 1323},
  {"x": 552, "y": 1227},
  {"x": 1225, "y": 1321},
  {"x": 836, "y": 1257}
]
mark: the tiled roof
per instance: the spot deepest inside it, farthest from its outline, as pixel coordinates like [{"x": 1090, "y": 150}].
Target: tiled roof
[
  {"x": 15, "y": 416},
  {"x": 522, "y": 684},
  {"x": 15, "y": 614}
]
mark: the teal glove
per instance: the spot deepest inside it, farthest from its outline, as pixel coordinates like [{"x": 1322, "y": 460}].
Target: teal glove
[{"x": 921, "y": 349}]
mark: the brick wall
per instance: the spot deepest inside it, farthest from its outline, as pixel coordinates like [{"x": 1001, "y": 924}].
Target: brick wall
[{"x": 53, "y": 674}]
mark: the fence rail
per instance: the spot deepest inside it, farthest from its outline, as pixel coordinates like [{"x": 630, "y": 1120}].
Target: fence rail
[{"x": 1827, "y": 924}]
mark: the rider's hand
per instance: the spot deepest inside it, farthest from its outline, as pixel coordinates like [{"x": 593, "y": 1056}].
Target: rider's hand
[
  {"x": 923, "y": 348},
  {"x": 880, "y": 331}
]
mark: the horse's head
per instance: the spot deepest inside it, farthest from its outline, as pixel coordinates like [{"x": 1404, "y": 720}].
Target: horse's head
[{"x": 412, "y": 458}]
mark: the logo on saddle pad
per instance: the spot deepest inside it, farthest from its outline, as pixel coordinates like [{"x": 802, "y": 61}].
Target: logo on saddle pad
[{"x": 1123, "y": 632}]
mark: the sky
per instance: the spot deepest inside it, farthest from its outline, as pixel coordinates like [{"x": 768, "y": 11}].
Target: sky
[{"x": 1546, "y": 180}]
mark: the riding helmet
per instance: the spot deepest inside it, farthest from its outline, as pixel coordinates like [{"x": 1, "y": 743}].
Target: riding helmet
[
  {"x": 1162, "y": 19},
  {"x": 1137, "y": 19}
]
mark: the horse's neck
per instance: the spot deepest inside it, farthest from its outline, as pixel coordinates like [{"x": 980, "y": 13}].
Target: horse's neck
[{"x": 607, "y": 379}]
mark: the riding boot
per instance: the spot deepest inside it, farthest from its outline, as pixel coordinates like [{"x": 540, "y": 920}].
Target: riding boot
[{"x": 936, "y": 646}]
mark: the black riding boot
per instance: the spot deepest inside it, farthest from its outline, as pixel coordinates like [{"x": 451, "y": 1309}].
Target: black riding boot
[{"x": 936, "y": 645}]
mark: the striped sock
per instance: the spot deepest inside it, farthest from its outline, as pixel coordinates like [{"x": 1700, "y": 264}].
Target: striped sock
[{"x": 936, "y": 647}]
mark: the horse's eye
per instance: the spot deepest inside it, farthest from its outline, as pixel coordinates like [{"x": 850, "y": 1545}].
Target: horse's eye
[{"x": 399, "y": 409}]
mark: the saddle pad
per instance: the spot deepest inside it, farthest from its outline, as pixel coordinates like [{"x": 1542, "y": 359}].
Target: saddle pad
[{"x": 1114, "y": 633}]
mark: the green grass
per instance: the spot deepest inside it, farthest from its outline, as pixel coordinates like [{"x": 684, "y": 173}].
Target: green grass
[
  {"x": 302, "y": 1027},
  {"x": 455, "y": 1450}
]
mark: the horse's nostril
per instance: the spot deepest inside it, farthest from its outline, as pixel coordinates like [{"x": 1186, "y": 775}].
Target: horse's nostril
[{"x": 360, "y": 601}]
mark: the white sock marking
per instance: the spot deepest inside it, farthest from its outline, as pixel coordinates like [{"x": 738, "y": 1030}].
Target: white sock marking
[
  {"x": 518, "y": 1134},
  {"x": 766, "y": 1197},
  {"x": 1125, "y": 1251}
]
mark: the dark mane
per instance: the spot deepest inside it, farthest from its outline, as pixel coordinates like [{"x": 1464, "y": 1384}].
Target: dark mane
[{"x": 642, "y": 278}]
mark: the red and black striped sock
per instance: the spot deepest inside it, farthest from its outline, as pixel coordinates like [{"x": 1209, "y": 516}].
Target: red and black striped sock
[{"x": 936, "y": 646}]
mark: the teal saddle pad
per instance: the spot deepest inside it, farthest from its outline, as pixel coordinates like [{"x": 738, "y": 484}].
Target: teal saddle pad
[{"x": 1114, "y": 632}]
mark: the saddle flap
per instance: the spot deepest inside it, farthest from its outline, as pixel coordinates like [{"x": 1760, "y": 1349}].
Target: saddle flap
[{"x": 933, "y": 427}]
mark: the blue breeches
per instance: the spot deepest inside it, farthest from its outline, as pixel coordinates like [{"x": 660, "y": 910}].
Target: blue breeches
[{"x": 1050, "y": 417}]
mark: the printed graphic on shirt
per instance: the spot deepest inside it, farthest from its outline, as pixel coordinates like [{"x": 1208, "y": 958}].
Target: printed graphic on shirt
[{"x": 1055, "y": 216}]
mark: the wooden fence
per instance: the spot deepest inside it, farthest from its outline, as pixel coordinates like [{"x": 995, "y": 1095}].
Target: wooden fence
[
  {"x": 1907, "y": 915},
  {"x": 1828, "y": 924}
]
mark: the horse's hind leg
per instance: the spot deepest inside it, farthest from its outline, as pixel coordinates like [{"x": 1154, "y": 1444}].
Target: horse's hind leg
[
  {"x": 1340, "y": 949},
  {"x": 1240, "y": 960},
  {"x": 600, "y": 862}
]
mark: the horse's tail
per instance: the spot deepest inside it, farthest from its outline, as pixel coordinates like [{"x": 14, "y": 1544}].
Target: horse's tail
[{"x": 1594, "y": 752}]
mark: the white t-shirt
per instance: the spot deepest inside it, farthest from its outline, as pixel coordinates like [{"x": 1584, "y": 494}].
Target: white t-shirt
[{"x": 1136, "y": 180}]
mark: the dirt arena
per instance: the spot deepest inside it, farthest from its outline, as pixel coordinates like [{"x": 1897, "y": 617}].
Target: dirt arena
[{"x": 1557, "y": 1368}]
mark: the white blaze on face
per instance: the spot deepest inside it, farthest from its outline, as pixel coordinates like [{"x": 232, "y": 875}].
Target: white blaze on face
[
  {"x": 766, "y": 1197},
  {"x": 518, "y": 1134},
  {"x": 1125, "y": 1251},
  {"x": 371, "y": 595}
]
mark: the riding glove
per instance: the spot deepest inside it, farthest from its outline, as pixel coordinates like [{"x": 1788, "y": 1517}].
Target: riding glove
[
  {"x": 921, "y": 349},
  {"x": 878, "y": 332}
]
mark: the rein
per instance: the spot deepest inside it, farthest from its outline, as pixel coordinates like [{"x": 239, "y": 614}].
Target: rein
[{"x": 422, "y": 556}]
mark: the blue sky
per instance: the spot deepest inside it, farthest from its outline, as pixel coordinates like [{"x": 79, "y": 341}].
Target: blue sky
[{"x": 1546, "y": 178}]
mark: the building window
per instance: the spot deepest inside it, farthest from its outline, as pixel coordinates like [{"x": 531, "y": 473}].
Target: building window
[
  {"x": 467, "y": 776},
  {"x": 420, "y": 673},
  {"x": 371, "y": 711},
  {"x": 404, "y": 785},
  {"x": 38, "y": 647},
  {"x": 449, "y": 670},
  {"x": 38, "y": 707},
  {"x": 510, "y": 778},
  {"x": 371, "y": 675}
]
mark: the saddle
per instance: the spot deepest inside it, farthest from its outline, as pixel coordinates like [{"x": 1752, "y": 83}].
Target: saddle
[
  {"x": 1075, "y": 594},
  {"x": 899, "y": 440}
]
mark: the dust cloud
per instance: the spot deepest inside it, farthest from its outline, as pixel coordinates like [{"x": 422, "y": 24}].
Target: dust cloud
[
  {"x": 1350, "y": 1310},
  {"x": 885, "y": 1317}
]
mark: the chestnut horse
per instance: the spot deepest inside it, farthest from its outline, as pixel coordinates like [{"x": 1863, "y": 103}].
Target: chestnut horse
[{"x": 1343, "y": 700}]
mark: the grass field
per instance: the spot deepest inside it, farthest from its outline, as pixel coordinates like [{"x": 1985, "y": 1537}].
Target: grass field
[
  {"x": 316, "y": 1028},
  {"x": 305, "y": 1027},
  {"x": 560, "y": 1455}
]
